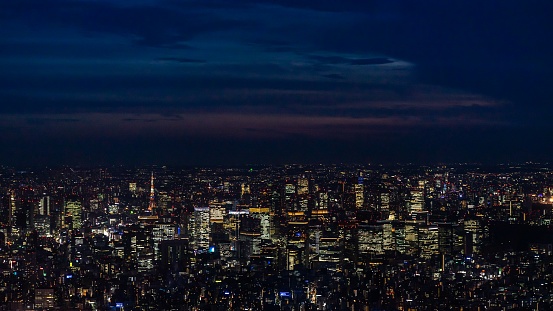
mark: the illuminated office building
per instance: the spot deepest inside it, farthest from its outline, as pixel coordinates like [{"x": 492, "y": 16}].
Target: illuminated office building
[
  {"x": 162, "y": 232},
  {"x": 359, "y": 190},
  {"x": 164, "y": 203},
  {"x": 411, "y": 238},
  {"x": 41, "y": 223},
  {"x": 132, "y": 187},
  {"x": 329, "y": 251},
  {"x": 399, "y": 235},
  {"x": 139, "y": 250},
  {"x": 370, "y": 239},
  {"x": 474, "y": 235},
  {"x": 14, "y": 228},
  {"x": 265, "y": 228},
  {"x": 384, "y": 202},
  {"x": 428, "y": 241},
  {"x": 200, "y": 228},
  {"x": 289, "y": 195},
  {"x": 244, "y": 190},
  {"x": 73, "y": 213},
  {"x": 44, "y": 298},
  {"x": 416, "y": 203},
  {"x": 217, "y": 212},
  {"x": 44, "y": 206},
  {"x": 388, "y": 237},
  {"x": 303, "y": 186}
]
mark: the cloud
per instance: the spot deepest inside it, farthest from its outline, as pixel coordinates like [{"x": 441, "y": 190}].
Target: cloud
[
  {"x": 334, "y": 76},
  {"x": 321, "y": 5},
  {"x": 336, "y": 60},
  {"x": 229, "y": 124},
  {"x": 371, "y": 61},
  {"x": 50, "y": 120},
  {"x": 146, "y": 24},
  {"x": 181, "y": 60},
  {"x": 284, "y": 69},
  {"x": 495, "y": 48}
]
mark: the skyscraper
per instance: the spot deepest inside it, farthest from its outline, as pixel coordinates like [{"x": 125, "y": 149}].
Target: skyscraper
[
  {"x": 416, "y": 202},
  {"x": 303, "y": 186},
  {"x": 73, "y": 211},
  {"x": 359, "y": 192},
  {"x": 13, "y": 224},
  {"x": 200, "y": 228}
]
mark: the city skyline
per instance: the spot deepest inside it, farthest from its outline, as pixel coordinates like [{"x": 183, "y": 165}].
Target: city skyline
[
  {"x": 292, "y": 237},
  {"x": 218, "y": 83}
]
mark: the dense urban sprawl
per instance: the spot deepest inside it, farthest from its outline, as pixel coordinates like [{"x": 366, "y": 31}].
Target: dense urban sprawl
[{"x": 290, "y": 237}]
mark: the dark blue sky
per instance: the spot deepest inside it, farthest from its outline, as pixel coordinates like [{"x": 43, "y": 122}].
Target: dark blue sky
[{"x": 244, "y": 81}]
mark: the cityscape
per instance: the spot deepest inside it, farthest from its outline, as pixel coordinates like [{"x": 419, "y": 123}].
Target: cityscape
[
  {"x": 206, "y": 155},
  {"x": 289, "y": 237}
]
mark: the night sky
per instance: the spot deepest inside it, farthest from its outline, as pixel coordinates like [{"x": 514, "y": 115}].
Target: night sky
[{"x": 243, "y": 81}]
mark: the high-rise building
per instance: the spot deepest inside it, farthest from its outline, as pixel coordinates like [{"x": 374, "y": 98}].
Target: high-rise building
[
  {"x": 41, "y": 223},
  {"x": 446, "y": 235},
  {"x": 359, "y": 190},
  {"x": 370, "y": 239},
  {"x": 303, "y": 186},
  {"x": 132, "y": 187},
  {"x": 388, "y": 238},
  {"x": 411, "y": 238},
  {"x": 329, "y": 251},
  {"x": 217, "y": 212},
  {"x": 289, "y": 204},
  {"x": 174, "y": 255},
  {"x": 162, "y": 231},
  {"x": 384, "y": 201},
  {"x": 13, "y": 223},
  {"x": 244, "y": 190},
  {"x": 262, "y": 213},
  {"x": 474, "y": 235},
  {"x": 138, "y": 244},
  {"x": 73, "y": 213},
  {"x": 44, "y": 298},
  {"x": 416, "y": 202},
  {"x": 200, "y": 228},
  {"x": 44, "y": 206},
  {"x": 428, "y": 241}
]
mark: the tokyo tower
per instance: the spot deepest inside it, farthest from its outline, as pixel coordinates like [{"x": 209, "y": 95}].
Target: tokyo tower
[{"x": 152, "y": 205}]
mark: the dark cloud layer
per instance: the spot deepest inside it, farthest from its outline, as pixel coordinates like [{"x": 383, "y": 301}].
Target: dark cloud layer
[
  {"x": 181, "y": 60},
  {"x": 355, "y": 80},
  {"x": 334, "y": 76},
  {"x": 335, "y": 60}
]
